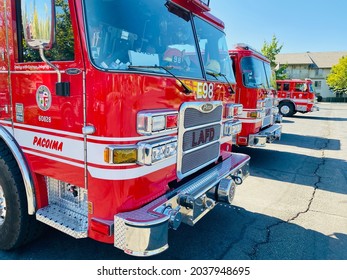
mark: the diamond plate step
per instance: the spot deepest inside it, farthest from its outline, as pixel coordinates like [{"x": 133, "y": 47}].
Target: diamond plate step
[{"x": 67, "y": 221}]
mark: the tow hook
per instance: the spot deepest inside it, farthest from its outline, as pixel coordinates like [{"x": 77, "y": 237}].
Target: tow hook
[
  {"x": 174, "y": 214},
  {"x": 237, "y": 179},
  {"x": 186, "y": 201}
]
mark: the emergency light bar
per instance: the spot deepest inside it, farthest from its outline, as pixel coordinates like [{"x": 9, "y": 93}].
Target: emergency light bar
[
  {"x": 202, "y": 4},
  {"x": 246, "y": 47},
  {"x": 205, "y": 2}
]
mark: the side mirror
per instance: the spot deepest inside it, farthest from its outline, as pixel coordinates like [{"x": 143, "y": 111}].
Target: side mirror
[
  {"x": 38, "y": 23},
  {"x": 39, "y": 33}
]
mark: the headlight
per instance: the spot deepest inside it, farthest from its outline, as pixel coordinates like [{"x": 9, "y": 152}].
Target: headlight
[
  {"x": 153, "y": 151},
  {"x": 232, "y": 128}
]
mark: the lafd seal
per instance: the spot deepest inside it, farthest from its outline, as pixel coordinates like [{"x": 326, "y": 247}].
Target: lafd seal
[{"x": 43, "y": 98}]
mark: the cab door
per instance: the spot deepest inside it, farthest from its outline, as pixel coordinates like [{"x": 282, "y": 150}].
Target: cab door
[
  {"x": 48, "y": 122},
  {"x": 4, "y": 71}
]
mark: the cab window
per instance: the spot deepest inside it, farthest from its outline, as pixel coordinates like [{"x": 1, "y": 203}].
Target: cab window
[{"x": 286, "y": 87}]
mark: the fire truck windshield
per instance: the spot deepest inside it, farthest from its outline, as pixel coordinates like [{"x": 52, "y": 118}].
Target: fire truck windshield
[
  {"x": 256, "y": 73},
  {"x": 150, "y": 33}
]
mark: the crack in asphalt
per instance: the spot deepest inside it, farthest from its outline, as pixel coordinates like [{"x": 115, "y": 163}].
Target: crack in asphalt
[
  {"x": 241, "y": 235},
  {"x": 253, "y": 254}
]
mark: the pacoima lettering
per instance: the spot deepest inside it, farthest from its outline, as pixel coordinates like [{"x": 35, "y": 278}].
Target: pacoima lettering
[{"x": 48, "y": 143}]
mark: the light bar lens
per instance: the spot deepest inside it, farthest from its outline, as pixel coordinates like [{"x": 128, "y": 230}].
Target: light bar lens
[
  {"x": 171, "y": 121},
  {"x": 232, "y": 110},
  {"x": 158, "y": 123}
]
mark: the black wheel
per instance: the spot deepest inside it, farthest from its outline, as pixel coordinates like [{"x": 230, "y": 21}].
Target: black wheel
[
  {"x": 17, "y": 227},
  {"x": 287, "y": 109}
]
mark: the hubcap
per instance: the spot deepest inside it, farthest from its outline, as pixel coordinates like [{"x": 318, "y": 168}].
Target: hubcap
[
  {"x": 285, "y": 109},
  {"x": 2, "y": 206}
]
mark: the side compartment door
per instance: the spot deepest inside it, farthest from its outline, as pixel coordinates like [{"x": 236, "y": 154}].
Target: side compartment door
[{"x": 4, "y": 73}]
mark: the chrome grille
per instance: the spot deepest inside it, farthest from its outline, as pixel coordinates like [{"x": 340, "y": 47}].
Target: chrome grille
[
  {"x": 199, "y": 157},
  {"x": 268, "y": 119},
  {"x": 194, "y": 138},
  {"x": 199, "y": 136},
  {"x": 194, "y": 117}
]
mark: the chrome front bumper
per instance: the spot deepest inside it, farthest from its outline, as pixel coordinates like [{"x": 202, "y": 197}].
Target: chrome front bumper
[
  {"x": 144, "y": 232},
  {"x": 314, "y": 108},
  {"x": 267, "y": 135}
]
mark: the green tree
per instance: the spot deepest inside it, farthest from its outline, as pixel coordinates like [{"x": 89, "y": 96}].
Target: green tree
[
  {"x": 270, "y": 50},
  {"x": 337, "y": 79}
]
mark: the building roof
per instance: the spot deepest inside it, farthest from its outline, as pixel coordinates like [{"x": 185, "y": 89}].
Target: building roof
[{"x": 320, "y": 59}]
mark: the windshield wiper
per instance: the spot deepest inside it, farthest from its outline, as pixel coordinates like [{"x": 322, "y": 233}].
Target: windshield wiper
[
  {"x": 166, "y": 69},
  {"x": 216, "y": 75}
]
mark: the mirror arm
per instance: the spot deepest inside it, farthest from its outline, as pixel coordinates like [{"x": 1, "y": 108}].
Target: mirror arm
[
  {"x": 61, "y": 88},
  {"x": 42, "y": 55}
]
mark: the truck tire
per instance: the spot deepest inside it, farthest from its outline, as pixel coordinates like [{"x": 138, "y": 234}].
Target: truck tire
[
  {"x": 286, "y": 109},
  {"x": 17, "y": 227}
]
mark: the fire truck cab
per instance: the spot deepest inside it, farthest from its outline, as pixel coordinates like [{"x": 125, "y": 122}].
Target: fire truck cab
[
  {"x": 255, "y": 91},
  {"x": 116, "y": 120},
  {"x": 296, "y": 96}
]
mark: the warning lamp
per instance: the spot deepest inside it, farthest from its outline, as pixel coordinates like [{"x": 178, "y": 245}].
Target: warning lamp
[
  {"x": 171, "y": 121},
  {"x": 120, "y": 154},
  {"x": 102, "y": 226},
  {"x": 232, "y": 110},
  {"x": 156, "y": 121}
]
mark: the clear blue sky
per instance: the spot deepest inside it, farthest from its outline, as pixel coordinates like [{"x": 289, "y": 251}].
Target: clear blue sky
[{"x": 299, "y": 25}]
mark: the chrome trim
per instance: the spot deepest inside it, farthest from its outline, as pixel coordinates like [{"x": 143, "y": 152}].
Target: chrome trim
[
  {"x": 144, "y": 121},
  {"x": 314, "y": 108},
  {"x": 85, "y": 135},
  {"x": 88, "y": 130},
  {"x": 67, "y": 211},
  {"x": 23, "y": 167},
  {"x": 301, "y": 108},
  {"x": 45, "y": 60},
  {"x": 267, "y": 135},
  {"x": 35, "y": 71},
  {"x": 144, "y": 232}
]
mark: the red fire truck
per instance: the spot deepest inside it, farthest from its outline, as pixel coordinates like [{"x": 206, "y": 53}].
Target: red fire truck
[
  {"x": 255, "y": 91},
  {"x": 296, "y": 96},
  {"x": 116, "y": 120}
]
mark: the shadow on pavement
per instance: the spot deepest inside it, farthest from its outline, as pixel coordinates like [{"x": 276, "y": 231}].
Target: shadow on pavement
[
  {"x": 227, "y": 232},
  {"x": 309, "y": 142},
  {"x": 317, "y": 118},
  {"x": 324, "y": 173}
]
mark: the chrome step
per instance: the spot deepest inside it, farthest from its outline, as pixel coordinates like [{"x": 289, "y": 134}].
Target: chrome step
[{"x": 65, "y": 220}]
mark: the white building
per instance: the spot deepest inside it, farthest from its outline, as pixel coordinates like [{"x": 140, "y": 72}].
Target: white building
[{"x": 312, "y": 65}]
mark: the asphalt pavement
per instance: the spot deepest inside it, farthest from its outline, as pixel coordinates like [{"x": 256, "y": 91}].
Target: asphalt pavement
[{"x": 292, "y": 207}]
